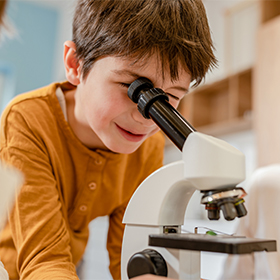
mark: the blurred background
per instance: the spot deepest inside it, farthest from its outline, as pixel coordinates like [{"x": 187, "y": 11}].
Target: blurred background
[
  {"x": 238, "y": 102},
  {"x": 31, "y": 55}
]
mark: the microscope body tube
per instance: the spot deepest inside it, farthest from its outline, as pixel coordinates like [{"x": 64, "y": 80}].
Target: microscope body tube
[{"x": 171, "y": 122}]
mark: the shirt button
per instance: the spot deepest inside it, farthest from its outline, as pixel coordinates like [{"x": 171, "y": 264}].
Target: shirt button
[
  {"x": 83, "y": 208},
  {"x": 98, "y": 161},
  {"x": 92, "y": 186}
]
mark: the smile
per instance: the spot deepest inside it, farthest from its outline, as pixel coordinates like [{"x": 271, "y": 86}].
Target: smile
[{"x": 129, "y": 135}]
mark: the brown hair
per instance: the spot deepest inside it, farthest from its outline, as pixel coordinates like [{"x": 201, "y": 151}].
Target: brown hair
[
  {"x": 176, "y": 30},
  {"x": 2, "y": 11}
]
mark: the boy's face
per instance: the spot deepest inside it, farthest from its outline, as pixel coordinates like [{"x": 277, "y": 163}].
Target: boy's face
[{"x": 107, "y": 114}]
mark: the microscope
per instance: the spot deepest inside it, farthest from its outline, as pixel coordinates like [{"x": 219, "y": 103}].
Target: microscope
[{"x": 153, "y": 242}]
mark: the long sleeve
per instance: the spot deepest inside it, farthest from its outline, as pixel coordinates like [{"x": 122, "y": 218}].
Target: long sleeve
[{"x": 38, "y": 227}]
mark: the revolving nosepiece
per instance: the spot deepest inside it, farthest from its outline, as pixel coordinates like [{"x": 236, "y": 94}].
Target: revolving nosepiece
[{"x": 230, "y": 201}]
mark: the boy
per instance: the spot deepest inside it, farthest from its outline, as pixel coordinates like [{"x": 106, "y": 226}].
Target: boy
[{"x": 82, "y": 144}]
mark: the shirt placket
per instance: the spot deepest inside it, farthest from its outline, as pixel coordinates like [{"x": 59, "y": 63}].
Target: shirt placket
[{"x": 92, "y": 184}]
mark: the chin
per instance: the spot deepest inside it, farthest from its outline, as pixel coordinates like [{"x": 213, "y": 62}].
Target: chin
[{"x": 125, "y": 149}]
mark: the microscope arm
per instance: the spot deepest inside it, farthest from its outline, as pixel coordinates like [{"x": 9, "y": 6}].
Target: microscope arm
[{"x": 157, "y": 205}]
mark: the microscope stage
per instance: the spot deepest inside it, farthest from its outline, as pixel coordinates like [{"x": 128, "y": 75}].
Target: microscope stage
[{"x": 220, "y": 243}]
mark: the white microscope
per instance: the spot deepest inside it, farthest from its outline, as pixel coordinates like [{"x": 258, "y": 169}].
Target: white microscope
[{"x": 153, "y": 242}]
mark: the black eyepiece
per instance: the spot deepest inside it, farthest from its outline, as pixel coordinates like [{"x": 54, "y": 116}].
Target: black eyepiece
[{"x": 137, "y": 86}]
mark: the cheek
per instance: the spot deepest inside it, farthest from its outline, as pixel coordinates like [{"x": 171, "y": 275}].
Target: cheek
[{"x": 104, "y": 109}]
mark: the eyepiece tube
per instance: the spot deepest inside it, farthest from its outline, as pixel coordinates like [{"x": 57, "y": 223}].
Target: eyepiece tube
[{"x": 153, "y": 103}]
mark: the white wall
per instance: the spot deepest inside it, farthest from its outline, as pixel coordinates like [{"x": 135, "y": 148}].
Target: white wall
[{"x": 234, "y": 25}]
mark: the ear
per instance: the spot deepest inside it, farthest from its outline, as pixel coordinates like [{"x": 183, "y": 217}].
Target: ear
[{"x": 71, "y": 64}]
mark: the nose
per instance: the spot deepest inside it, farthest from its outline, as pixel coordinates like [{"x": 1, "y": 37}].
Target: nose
[{"x": 137, "y": 116}]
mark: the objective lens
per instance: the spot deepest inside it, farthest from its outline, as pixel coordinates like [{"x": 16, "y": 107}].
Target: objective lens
[
  {"x": 229, "y": 210},
  {"x": 240, "y": 208},
  {"x": 213, "y": 211}
]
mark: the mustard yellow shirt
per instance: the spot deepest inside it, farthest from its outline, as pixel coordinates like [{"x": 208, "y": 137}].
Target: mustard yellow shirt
[{"x": 66, "y": 186}]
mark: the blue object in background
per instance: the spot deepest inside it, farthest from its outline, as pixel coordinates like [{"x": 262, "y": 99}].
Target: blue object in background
[{"x": 28, "y": 59}]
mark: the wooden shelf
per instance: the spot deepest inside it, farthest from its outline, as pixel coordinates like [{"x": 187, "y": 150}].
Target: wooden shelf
[
  {"x": 222, "y": 107},
  {"x": 227, "y": 127}
]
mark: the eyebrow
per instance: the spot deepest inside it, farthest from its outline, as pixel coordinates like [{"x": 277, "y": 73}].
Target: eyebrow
[
  {"x": 136, "y": 76},
  {"x": 186, "y": 90},
  {"x": 126, "y": 72}
]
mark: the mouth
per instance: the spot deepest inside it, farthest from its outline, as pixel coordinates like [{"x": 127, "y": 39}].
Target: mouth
[{"x": 133, "y": 137}]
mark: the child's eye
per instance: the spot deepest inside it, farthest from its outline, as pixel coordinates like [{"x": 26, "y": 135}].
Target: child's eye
[
  {"x": 125, "y": 85},
  {"x": 173, "y": 96}
]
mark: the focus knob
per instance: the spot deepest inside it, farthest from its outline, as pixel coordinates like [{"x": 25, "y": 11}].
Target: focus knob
[{"x": 146, "y": 262}]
